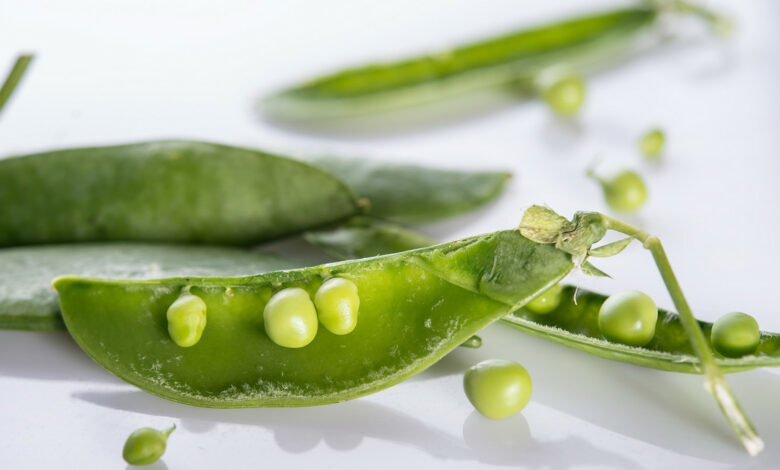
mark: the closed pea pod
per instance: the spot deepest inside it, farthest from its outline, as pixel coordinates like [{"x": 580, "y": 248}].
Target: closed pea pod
[
  {"x": 186, "y": 319},
  {"x": 735, "y": 334},
  {"x": 337, "y": 303},
  {"x": 146, "y": 445},
  {"x": 290, "y": 318},
  {"x": 497, "y": 388}
]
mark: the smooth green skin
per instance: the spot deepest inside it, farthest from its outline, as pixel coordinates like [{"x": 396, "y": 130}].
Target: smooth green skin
[
  {"x": 490, "y": 63},
  {"x": 547, "y": 301},
  {"x": 497, "y": 388},
  {"x": 628, "y": 317},
  {"x": 290, "y": 318},
  {"x": 145, "y": 446},
  {"x": 652, "y": 144},
  {"x": 735, "y": 334},
  {"x": 415, "y": 307},
  {"x": 167, "y": 191},
  {"x": 186, "y": 320},
  {"x": 411, "y": 194},
  {"x": 565, "y": 96},
  {"x": 337, "y": 303},
  {"x": 626, "y": 192},
  {"x": 576, "y": 325},
  {"x": 27, "y": 301}
]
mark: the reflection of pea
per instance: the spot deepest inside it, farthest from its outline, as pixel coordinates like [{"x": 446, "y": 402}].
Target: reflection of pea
[{"x": 145, "y": 446}]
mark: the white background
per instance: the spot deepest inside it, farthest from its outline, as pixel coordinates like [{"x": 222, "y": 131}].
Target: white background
[{"x": 118, "y": 71}]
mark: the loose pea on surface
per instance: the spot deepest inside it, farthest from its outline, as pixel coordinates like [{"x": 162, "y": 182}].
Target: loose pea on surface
[
  {"x": 652, "y": 143},
  {"x": 628, "y": 317},
  {"x": 186, "y": 319},
  {"x": 337, "y": 303},
  {"x": 290, "y": 318},
  {"x": 497, "y": 388},
  {"x": 145, "y": 446},
  {"x": 735, "y": 334},
  {"x": 547, "y": 301},
  {"x": 565, "y": 96},
  {"x": 626, "y": 192}
]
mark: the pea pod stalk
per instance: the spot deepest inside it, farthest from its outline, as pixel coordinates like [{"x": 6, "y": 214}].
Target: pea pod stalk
[{"x": 13, "y": 79}]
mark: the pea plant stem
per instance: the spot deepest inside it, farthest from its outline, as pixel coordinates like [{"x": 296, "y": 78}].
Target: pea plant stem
[
  {"x": 715, "y": 382},
  {"x": 17, "y": 71}
]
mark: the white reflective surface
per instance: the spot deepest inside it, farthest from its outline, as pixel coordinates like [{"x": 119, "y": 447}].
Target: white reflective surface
[{"x": 110, "y": 72}]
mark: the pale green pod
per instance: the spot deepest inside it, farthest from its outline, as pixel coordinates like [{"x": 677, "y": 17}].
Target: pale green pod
[
  {"x": 186, "y": 319},
  {"x": 290, "y": 318},
  {"x": 337, "y": 303}
]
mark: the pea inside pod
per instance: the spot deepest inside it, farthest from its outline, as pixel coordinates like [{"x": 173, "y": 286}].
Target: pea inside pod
[
  {"x": 735, "y": 334},
  {"x": 628, "y": 317},
  {"x": 337, "y": 303},
  {"x": 186, "y": 319},
  {"x": 290, "y": 318}
]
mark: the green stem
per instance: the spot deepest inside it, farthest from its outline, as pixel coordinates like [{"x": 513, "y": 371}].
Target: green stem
[
  {"x": 715, "y": 382},
  {"x": 170, "y": 430},
  {"x": 20, "y": 66}
]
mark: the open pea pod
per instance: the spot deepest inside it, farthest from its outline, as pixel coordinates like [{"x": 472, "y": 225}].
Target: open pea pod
[
  {"x": 576, "y": 325},
  {"x": 414, "y": 308},
  {"x": 168, "y": 191},
  {"x": 27, "y": 301}
]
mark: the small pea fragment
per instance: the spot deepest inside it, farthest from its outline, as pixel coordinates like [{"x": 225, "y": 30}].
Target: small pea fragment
[
  {"x": 652, "y": 143},
  {"x": 735, "y": 334},
  {"x": 566, "y": 95},
  {"x": 497, "y": 388},
  {"x": 290, "y": 318},
  {"x": 545, "y": 302},
  {"x": 186, "y": 319},
  {"x": 473, "y": 342},
  {"x": 628, "y": 317},
  {"x": 145, "y": 446},
  {"x": 337, "y": 303},
  {"x": 626, "y": 192}
]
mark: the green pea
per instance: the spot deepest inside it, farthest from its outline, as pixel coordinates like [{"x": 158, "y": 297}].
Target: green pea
[
  {"x": 337, "y": 303},
  {"x": 547, "y": 301},
  {"x": 625, "y": 192},
  {"x": 652, "y": 143},
  {"x": 735, "y": 334},
  {"x": 566, "y": 95},
  {"x": 497, "y": 388},
  {"x": 628, "y": 317},
  {"x": 186, "y": 319},
  {"x": 290, "y": 318},
  {"x": 145, "y": 446}
]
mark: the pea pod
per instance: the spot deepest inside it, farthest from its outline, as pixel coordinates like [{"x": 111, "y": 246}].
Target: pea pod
[
  {"x": 411, "y": 194},
  {"x": 414, "y": 308},
  {"x": 576, "y": 326},
  {"x": 489, "y": 63},
  {"x": 27, "y": 301},
  {"x": 169, "y": 191}
]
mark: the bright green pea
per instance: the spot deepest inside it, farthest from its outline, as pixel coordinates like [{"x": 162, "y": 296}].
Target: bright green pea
[
  {"x": 337, "y": 303},
  {"x": 547, "y": 301},
  {"x": 628, "y": 317},
  {"x": 735, "y": 334},
  {"x": 652, "y": 143},
  {"x": 290, "y": 318},
  {"x": 566, "y": 95},
  {"x": 497, "y": 388},
  {"x": 145, "y": 446},
  {"x": 186, "y": 319},
  {"x": 625, "y": 192}
]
